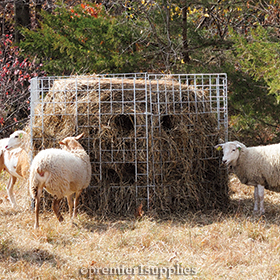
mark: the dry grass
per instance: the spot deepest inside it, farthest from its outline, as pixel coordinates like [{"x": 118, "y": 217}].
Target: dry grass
[{"x": 232, "y": 245}]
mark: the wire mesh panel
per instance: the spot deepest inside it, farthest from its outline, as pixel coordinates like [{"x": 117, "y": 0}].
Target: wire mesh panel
[{"x": 150, "y": 137}]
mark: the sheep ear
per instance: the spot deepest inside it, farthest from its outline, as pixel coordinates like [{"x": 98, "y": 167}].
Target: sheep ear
[
  {"x": 79, "y": 136},
  {"x": 219, "y": 147},
  {"x": 238, "y": 147},
  {"x": 22, "y": 133},
  {"x": 61, "y": 143}
]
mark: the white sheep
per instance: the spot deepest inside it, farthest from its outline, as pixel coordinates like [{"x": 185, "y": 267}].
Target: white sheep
[
  {"x": 255, "y": 166},
  {"x": 62, "y": 173},
  {"x": 18, "y": 139},
  {"x": 15, "y": 161}
]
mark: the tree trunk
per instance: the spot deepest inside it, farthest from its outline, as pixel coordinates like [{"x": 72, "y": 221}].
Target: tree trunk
[
  {"x": 22, "y": 17},
  {"x": 186, "y": 56},
  {"x": 38, "y": 9}
]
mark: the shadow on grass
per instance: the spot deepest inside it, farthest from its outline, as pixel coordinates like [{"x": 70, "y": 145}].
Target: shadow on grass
[
  {"x": 239, "y": 209},
  {"x": 10, "y": 252}
]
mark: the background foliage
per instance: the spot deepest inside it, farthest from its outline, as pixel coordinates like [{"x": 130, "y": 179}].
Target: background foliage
[
  {"x": 83, "y": 39},
  {"x": 179, "y": 36},
  {"x": 15, "y": 73}
]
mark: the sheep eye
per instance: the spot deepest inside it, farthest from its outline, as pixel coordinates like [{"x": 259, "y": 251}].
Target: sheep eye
[
  {"x": 16, "y": 136},
  {"x": 234, "y": 150}
]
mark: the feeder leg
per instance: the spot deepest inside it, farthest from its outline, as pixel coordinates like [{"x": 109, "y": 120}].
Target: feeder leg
[{"x": 256, "y": 199}]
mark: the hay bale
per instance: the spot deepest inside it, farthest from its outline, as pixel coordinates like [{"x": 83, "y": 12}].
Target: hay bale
[{"x": 151, "y": 140}]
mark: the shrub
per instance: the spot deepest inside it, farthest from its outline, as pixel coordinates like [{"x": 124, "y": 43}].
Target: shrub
[
  {"x": 15, "y": 74},
  {"x": 82, "y": 39}
]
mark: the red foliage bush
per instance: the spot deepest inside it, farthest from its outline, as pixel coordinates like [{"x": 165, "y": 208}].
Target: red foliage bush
[{"x": 15, "y": 74}]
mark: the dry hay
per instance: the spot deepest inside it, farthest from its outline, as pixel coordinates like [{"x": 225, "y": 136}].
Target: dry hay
[{"x": 175, "y": 143}]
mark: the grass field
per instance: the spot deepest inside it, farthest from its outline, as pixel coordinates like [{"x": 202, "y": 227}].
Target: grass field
[{"x": 213, "y": 245}]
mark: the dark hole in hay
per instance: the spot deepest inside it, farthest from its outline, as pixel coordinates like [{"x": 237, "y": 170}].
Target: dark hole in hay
[
  {"x": 123, "y": 174},
  {"x": 128, "y": 173},
  {"x": 124, "y": 123},
  {"x": 111, "y": 176},
  {"x": 167, "y": 122}
]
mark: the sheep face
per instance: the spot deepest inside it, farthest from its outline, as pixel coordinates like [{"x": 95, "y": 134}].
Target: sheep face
[
  {"x": 71, "y": 143},
  {"x": 16, "y": 140},
  {"x": 231, "y": 152}
]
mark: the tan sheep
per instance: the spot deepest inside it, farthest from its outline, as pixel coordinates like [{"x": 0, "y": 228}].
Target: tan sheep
[
  {"x": 63, "y": 173},
  {"x": 14, "y": 160}
]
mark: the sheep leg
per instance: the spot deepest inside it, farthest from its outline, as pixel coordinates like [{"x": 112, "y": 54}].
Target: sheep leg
[
  {"x": 256, "y": 199},
  {"x": 70, "y": 204},
  {"x": 10, "y": 190},
  {"x": 55, "y": 207},
  {"x": 261, "y": 198},
  {"x": 37, "y": 206},
  {"x": 76, "y": 201}
]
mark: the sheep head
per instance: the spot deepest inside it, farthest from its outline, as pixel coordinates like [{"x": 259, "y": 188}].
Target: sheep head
[
  {"x": 16, "y": 140},
  {"x": 71, "y": 143},
  {"x": 231, "y": 152}
]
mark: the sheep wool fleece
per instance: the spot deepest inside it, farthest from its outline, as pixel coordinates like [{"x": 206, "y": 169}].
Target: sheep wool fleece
[
  {"x": 65, "y": 172},
  {"x": 259, "y": 165}
]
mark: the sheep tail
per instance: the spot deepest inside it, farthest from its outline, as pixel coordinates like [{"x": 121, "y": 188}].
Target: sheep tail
[
  {"x": 41, "y": 172},
  {"x": 38, "y": 178},
  {"x": 33, "y": 185}
]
